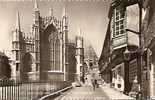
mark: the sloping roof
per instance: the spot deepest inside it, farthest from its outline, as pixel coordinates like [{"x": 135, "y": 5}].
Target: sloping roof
[
  {"x": 2, "y": 54},
  {"x": 106, "y": 45}
]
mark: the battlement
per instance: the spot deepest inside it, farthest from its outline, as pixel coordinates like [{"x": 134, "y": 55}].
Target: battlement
[{"x": 29, "y": 38}]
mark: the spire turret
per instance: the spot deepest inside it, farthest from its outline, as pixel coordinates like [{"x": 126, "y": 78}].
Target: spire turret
[
  {"x": 65, "y": 19},
  {"x": 17, "y": 21},
  {"x": 51, "y": 12},
  {"x": 81, "y": 33},
  {"x": 36, "y": 6},
  {"x": 36, "y": 13},
  {"x": 64, "y": 13}
]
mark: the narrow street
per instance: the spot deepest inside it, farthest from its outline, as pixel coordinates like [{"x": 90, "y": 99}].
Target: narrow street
[{"x": 83, "y": 93}]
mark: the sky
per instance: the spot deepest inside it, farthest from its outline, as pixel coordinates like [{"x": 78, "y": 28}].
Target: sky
[{"x": 90, "y": 17}]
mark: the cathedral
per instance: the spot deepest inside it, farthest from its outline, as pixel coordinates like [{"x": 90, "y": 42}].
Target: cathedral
[{"x": 42, "y": 53}]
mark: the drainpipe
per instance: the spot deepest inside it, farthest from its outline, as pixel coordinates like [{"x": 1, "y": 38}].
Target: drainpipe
[{"x": 140, "y": 45}]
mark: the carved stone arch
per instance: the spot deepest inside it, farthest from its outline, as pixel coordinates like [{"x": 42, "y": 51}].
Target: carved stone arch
[
  {"x": 27, "y": 62},
  {"x": 49, "y": 22}
]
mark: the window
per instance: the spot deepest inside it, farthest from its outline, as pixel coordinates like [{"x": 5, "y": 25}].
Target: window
[
  {"x": 54, "y": 43},
  {"x": 118, "y": 21},
  {"x": 17, "y": 67},
  {"x": 79, "y": 51},
  {"x": 81, "y": 59},
  {"x": 51, "y": 40},
  {"x": 57, "y": 54},
  {"x": 37, "y": 67},
  {"x": 17, "y": 55},
  {"x": 37, "y": 56},
  {"x": 17, "y": 45}
]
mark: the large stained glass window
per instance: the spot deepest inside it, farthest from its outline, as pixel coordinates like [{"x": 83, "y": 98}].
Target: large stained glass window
[
  {"x": 54, "y": 52},
  {"x": 57, "y": 54},
  {"x": 51, "y": 52}
]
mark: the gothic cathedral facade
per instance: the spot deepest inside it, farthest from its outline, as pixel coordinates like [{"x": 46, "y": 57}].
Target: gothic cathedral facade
[{"x": 42, "y": 53}]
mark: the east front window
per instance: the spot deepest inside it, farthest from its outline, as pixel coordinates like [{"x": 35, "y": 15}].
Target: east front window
[{"x": 54, "y": 52}]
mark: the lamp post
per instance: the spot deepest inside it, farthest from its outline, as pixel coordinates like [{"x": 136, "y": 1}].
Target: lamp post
[
  {"x": 135, "y": 85},
  {"x": 127, "y": 54}
]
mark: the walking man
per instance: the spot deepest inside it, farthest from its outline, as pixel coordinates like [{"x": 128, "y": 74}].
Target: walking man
[{"x": 94, "y": 83}]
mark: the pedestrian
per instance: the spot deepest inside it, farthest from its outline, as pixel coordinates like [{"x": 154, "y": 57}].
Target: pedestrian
[{"x": 94, "y": 83}]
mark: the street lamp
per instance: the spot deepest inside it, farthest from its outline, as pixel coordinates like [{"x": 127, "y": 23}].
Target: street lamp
[
  {"x": 139, "y": 51},
  {"x": 135, "y": 86},
  {"x": 127, "y": 54}
]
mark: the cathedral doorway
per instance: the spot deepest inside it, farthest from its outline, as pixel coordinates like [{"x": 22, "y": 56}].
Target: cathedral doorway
[{"x": 27, "y": 61}]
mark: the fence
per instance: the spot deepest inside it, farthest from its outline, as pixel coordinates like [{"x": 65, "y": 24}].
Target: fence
[{"x": 10, "y": 90}]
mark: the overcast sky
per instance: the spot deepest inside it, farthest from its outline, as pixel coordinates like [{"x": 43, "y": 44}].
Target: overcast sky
[{"x": 91, "y": 17}]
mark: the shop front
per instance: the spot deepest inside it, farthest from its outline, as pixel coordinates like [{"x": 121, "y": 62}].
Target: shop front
[{"x": 118, "y": 77}]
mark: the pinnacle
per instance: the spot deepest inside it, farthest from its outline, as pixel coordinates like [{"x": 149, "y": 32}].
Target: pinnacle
[{"x": 17, "y": 21}]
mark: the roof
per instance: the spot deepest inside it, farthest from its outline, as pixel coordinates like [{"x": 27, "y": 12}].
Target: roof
[
  {"x": 106, "y": 45},
  {"x": 2, "y": 54}
]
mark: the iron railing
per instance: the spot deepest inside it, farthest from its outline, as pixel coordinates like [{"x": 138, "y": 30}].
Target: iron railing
[{"x": 10, "y": 90}]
